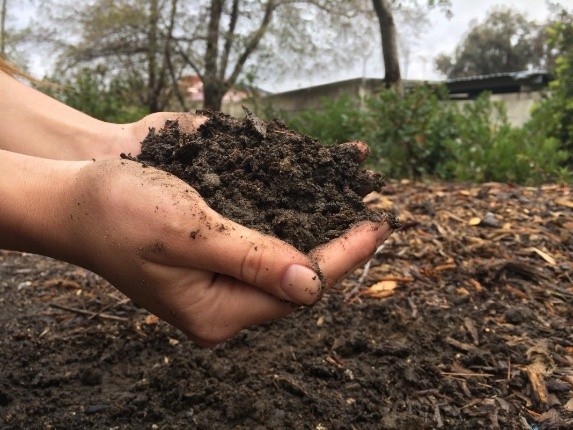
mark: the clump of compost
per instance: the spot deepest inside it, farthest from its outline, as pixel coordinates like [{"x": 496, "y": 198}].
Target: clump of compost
[{"x": 267, "y": 177}]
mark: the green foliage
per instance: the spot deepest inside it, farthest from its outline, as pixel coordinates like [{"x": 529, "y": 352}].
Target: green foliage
[
  {"x": 554, "y": 115},
  {"x": 418, "y": 134},
  {"x": 407, "y": 131},
  {"x": 336, "y": 123},
  {"x": 505, "y": 42},
  {"x": 488, "y": 148},
  {"x": 90, "y": 91}
]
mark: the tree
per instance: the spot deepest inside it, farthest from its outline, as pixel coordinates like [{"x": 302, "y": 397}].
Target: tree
[
  {"x": 384, "y": 10},
  {"x": 3, "y": 32},
  {"x": 392, "y": 74},
  {"x": 505, "y": 42},
  {"x": 130, "y": 38},
  {"x": 235, "y": 40},
  {"x": 153, "y": 43}
]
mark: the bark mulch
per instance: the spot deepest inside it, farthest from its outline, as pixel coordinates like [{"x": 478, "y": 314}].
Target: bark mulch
[{"x": 462, "y": 321}]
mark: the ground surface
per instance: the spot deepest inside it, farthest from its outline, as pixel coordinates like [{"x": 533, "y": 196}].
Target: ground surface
[{"x": 463, "y": 321}]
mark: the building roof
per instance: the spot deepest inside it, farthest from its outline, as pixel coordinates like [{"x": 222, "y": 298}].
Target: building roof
[{"x": 510, "y": 82}]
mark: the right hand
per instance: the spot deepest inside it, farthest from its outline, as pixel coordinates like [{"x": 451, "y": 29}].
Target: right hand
[{"x": 155, "y": 239}]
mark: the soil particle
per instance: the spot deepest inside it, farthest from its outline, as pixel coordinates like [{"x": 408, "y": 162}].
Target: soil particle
[{"x": 264, "y": 176}]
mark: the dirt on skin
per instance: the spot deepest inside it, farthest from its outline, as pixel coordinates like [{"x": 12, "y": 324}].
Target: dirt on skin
[{"x": 267, "y": 177}]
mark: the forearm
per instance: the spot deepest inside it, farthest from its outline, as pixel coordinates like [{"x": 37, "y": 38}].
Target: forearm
[
  {"x": 35, "y": 196},
  {"x": 34, "y": 124}
]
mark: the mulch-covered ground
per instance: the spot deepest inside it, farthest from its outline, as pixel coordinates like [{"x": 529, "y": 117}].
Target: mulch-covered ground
[{"x": 464, "y": 320}]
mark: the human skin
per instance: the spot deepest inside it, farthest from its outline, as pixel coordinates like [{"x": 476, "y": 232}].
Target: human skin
[{"x": 65, "y": 193}]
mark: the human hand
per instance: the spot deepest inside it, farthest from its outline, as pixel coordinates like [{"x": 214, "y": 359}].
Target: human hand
[
  {"x": 129, "y": 137},
  {"x": 154, "y": 238},
  {"x": 58, "y": 132}
]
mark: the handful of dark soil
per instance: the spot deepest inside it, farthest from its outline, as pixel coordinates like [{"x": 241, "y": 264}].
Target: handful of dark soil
[{"x": 267, "y": 177}]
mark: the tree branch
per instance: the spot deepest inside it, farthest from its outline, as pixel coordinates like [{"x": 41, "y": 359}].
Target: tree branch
[
  {"x": 166, "y": 42},
  {"x": 254, "y": 42},
  {"x": 211, "y": 53},
  {"x": 229, "y": 39},
  {"x": 190, "y": 62}
]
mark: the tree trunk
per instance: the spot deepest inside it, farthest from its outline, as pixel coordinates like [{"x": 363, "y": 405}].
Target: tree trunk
[
  {"x": 3, "y": 9},
  {"x": 153, "y": 96},
  {"x": 212, "y": 89},
  {"x": 392, "y": 76},
  {"x": 213, "y": 92},
  {"x": 215, "y": 82}
]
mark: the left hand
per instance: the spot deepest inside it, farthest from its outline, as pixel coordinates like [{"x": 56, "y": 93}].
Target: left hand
[{"x": 131, "y": 135}]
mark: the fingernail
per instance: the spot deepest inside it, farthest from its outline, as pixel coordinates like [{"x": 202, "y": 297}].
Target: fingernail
[
  {"x": 300, "y": 284},
  {"x": 384, "y": 232}
]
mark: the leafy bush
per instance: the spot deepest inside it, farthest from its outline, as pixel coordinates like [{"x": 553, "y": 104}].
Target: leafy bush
[
  {"x": 407, "y": 131},
  {"x": 404, "y": 131},
  {"x": 488, "y": 148},
  {"x": 416, "y": 133},
  {"x": 554, "y": 115},
  {"x": 339, "y": 121},
  {"x": 92, "y": 92}
]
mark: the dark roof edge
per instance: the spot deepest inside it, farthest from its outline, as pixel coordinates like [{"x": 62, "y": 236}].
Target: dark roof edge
[{"x": 518, "y": 76}]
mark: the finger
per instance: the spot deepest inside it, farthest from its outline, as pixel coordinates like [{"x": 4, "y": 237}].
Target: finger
[
  {"x": 193, "y": 235},
  {"x": 208, "y": 308},
  {"x": 339, "y": 257},
  {"x": 188, "y": 122},
  {"x": 257, "y": 259},
  {"x": 228, "y": 307}
]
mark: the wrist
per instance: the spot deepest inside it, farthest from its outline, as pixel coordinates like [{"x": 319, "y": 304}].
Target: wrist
[
  {"x": 36, "y": 196},
  {"x": 38, "y": 125}
]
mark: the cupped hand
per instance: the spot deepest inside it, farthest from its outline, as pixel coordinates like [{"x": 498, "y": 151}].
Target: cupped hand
[{"x": 155, "y": 239}]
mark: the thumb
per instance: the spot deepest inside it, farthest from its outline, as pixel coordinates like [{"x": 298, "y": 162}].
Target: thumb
[{"x": 260, "y": 260}]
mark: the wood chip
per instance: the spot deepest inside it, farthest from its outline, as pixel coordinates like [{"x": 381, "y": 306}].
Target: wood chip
[
  {"x": 150, "y": 319},
  {"x": 381, "y": 289},
  {"x": 564, "y": 202},
  {"x": 535, "y": 373},
  {"x": 548, "y": 258},
  {"x": 474, "y": 221}
]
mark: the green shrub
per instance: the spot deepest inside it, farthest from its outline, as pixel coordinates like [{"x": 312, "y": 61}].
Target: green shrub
[
  {"x": 554, "y": 115},
  {"x": 92, "y": 92},
  {"x": 407, "y": 131},
  {"x": 416, "y": 133},
  {"x": 339, "y": 120},
  {"x": 488, "y": 148}
]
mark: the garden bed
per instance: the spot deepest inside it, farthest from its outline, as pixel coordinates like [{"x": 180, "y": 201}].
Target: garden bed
[{"x": 463, "y": 320}]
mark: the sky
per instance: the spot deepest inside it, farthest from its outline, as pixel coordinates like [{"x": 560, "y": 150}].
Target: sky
[{"x": 442, "y": 36}]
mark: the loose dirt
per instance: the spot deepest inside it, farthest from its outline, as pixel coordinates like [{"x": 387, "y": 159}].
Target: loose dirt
[{"x": 267, "y": 177}]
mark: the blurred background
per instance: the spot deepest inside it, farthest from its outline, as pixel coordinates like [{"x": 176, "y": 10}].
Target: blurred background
[{"x": 440, "y": 89}]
